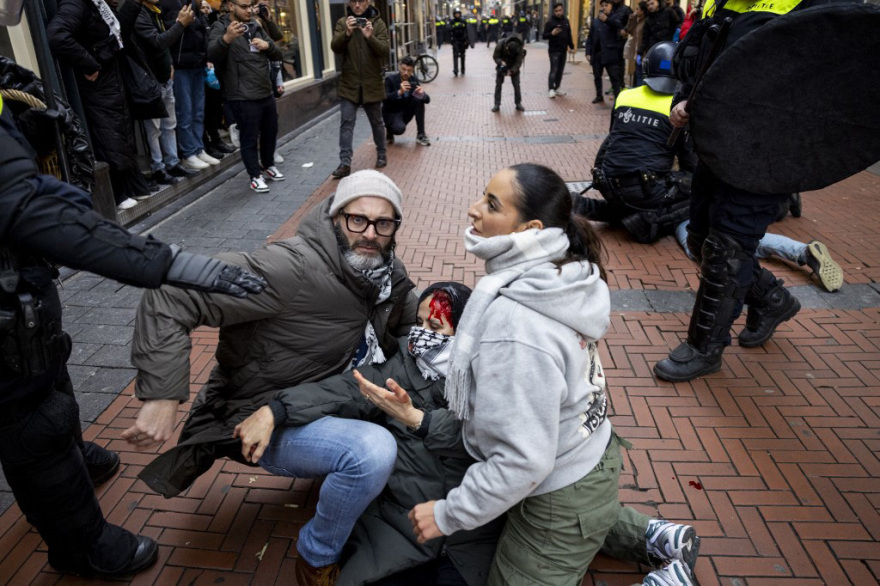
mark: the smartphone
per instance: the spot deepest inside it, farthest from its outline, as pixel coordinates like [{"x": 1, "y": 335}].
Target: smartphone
[{"x": 362, "y": 22}]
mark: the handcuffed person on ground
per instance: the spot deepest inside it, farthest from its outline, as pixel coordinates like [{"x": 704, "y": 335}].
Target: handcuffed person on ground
[{"x": 405, "y": 98}]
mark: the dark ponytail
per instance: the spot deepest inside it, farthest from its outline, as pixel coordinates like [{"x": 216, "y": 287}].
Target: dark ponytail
[{"x": 543, "y": 195}]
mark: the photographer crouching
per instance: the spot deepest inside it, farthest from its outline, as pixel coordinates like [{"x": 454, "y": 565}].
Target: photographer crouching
[
  {"x": 241, "y": 51},
  {"x": 405, "y": 98}
]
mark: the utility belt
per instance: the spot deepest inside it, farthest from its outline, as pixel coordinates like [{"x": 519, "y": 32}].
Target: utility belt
[
  {"x": 31, "y": 340},
  {"x": 627, "y": 187}
]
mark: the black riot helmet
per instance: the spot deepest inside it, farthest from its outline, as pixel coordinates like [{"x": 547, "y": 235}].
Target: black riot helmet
[{"x": 657, "y": 66}]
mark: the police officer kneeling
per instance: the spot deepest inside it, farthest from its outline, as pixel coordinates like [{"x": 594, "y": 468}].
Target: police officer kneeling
[
  {"x": 44, "y": 221},
  {"x": 634, "y": 168}
]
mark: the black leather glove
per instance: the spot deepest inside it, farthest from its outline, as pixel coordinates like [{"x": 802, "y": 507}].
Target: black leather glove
[{"x": 203, "y": 273}]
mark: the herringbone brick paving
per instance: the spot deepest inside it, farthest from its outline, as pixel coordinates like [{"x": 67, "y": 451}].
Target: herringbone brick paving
[{"x": 773, "y": 459}]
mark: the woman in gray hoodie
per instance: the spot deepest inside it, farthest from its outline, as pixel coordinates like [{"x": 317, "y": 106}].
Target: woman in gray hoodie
[{"x": 526, "y": 381}]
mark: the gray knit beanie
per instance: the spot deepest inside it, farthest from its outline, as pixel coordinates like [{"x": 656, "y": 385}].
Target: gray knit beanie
[{"x": 367, "y": 183}]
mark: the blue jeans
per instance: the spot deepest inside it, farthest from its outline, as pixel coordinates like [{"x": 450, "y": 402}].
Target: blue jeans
[
  {"x": 770, "y": 245},
  {"x": 189, "y": 95},
  {"x": 161, "y": 135},
  {"x": 357, "y": 458}
]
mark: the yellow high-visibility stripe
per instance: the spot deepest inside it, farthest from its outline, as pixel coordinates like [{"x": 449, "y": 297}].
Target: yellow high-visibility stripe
[
  {"x": 645, "y": 98},
  {"x": 743, "y": 6}
]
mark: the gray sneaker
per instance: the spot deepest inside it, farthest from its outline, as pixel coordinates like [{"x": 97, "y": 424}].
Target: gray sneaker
[
  {"x": 820, "y": 262},
  {"x": 422, "y": 139},
  {"x": 670, "y": 542},
  {"x": 675, "y": 574}
]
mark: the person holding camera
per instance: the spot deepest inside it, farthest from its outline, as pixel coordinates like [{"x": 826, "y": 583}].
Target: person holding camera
[
  {"x": 509, "y": 54},
  {"x": 405, "y": 98},
  {"x": 557, "y": 33},
  {"x": 241, "y": 51},
  {"x": 361, "y": 37}
]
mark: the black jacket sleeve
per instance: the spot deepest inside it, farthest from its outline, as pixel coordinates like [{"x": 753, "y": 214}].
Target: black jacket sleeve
[
  {"x": 46, "y": 222},
  {"x": 152, "y": 39},
  {"x": 61, "y": 32}
]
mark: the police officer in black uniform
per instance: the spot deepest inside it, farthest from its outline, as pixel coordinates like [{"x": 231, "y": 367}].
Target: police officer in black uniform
[
  {"x": 484, "y": 29},
  {"x": 634, "y": 168},
  {"x": 458, "y": 37},
  {"x": 506, "y": 25},
  {"x": 726, "y": 222},
  {"x": 44, "y": 221},
  {"x": 524, "y": 26},
  {"x": 494, "y": 24}
]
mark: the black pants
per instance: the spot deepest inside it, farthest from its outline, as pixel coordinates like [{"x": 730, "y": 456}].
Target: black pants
[
  {"x": 42, "y": 459},
  {"x": 615, "y": 74},
  {"x": 740, "y": 214},
  {"x": 492, "y": 36},
  {"x": 458, "y": 51},
  {"x": 514, "y": 79},
  {"x": 439, "y": 572},
  {"x": 396, "y": 120},
  {"x": 256, "y": 119},
  {"x": 213, "y": 116},
  {"x": 557, "y": 67}
]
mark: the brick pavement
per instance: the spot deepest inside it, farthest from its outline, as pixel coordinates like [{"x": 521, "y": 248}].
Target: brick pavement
[{"x": 773, "y": 459}]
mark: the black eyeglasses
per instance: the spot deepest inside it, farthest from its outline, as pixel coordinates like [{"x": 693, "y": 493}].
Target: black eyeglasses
[{"x": 359, "y": 224}]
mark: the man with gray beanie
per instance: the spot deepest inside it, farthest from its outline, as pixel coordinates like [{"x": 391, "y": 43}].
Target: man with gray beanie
[{"x": 336, "y": 298}]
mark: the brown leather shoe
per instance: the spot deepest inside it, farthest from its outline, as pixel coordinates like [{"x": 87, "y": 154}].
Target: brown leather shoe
[
  {"x": 341, "y": 171},
  {"x": 307, "y": 575}
]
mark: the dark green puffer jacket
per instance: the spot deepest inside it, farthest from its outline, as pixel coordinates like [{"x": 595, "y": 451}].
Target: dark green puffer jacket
[{"x": 363, "y": 59}]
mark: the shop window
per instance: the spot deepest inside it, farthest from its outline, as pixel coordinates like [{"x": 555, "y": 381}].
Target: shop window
[{"x": 287, "y": 15}]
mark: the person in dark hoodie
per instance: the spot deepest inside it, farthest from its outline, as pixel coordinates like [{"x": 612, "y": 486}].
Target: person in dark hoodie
[
  {"x": 660, "y": 25},
  {"x": 154, "y": 39},
  {"x": 189, "y": 58},
  {"x": 241, "y": 51},
  {"x": 509, "y": 54},
  {"x": 557, "y": 33}
]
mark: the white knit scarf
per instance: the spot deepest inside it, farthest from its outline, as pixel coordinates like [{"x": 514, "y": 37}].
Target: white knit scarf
[
  {"x": 109, "y": 19},
  {"x": 507, "y": 258}
]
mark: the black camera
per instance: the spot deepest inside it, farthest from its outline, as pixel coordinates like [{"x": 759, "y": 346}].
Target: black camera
[
  {"x": 250, "y": 30},
  {"x": 361, "y": 22},
  {"x": 263, "y": 11}
]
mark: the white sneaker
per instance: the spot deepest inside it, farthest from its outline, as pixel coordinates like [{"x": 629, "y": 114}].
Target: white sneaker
[
  {"x": 233, "y": 136},
  {"x": 258, "y": 184},
  {"x": 222, "y": 133},
  {"x": 195, "y": 163},
  {"x": 273, "y": 173},
  {"x": 208, "y": 158},
  {"x": 560, "y": 93},
  {"x": 551, "y": 94},
  {"x": 126, "y": 204},
  {"x": 278, "y": 159},
  {"x": 675, "y": 574}
]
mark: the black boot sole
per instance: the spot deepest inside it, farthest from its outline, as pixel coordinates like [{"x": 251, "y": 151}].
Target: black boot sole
[{"x": 680, "y": 378}]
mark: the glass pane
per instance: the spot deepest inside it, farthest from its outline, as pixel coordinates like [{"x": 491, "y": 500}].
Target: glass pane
[{"x": 286, "y": 14}]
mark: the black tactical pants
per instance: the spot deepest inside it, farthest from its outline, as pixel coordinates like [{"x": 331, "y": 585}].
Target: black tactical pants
[
  {"x": 458, "y": 50},
  {"x": 43, "y": 463},
  {"x": 742, "y": 215}
]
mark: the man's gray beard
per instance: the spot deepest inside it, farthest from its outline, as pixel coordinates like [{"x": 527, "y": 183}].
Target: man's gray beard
[{"x": 360, "y": 262}]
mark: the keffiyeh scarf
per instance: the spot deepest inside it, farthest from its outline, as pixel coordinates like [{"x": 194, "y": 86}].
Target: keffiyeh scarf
[
  {"x": 369, "y": 351},
  {"x": 431, "y": 351},
  {"x": 109, "y": 19}
]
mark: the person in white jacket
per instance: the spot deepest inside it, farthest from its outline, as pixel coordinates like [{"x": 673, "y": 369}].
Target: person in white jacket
[{"x": 526, "y": 380}]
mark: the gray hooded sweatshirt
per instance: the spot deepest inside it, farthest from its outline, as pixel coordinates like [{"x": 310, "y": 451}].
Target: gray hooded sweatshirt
[{"x": 538, "y": 411}]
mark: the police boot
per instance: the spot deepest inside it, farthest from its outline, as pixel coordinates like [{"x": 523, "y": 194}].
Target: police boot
[
  {"x": 770, "y": 304},
  {"x": 719, "y": 301}
]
